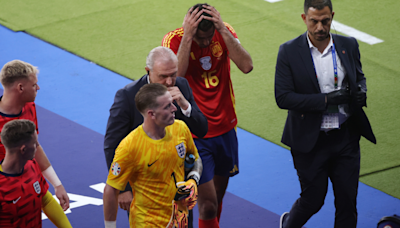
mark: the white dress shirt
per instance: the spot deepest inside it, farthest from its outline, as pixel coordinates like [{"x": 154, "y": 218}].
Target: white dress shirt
[{"x": 323, "y": 65}]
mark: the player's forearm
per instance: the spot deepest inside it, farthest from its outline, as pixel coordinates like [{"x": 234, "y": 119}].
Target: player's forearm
[
  {"x": 198, "y": 166},
  {"x": 196, "y": 171},
  {"x": 42, "y": 159},
  {"x": 184, "y": 55},
  {"x": 237, "y": 53},
  {"x": 110, "y": 202},
  {"x": 46, "y": 168}
]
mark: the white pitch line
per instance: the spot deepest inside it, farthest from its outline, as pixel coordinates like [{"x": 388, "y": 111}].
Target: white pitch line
[
  {"x": 362, "y": 36},
  {"x": 98, "y": 187}
]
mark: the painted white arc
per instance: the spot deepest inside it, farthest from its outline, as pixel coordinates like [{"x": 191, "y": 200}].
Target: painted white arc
[
  {"x": 80, "y": 201},
  {"x": 98, "y": 187}
]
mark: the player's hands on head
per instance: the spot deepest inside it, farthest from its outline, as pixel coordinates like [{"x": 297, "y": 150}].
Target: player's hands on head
[
  {"x": 178, "y": 97},
  {"x": 62, "y": 196},
  {"x": 125, "y": 200},
  {"x": 191, "y": 21},
  {"x": 215, "y": 17}
]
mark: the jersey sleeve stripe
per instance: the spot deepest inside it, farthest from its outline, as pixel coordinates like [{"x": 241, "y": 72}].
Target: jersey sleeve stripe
[
  {"x": 229, "y": 27},
  {"x": 167, "y": 38}
]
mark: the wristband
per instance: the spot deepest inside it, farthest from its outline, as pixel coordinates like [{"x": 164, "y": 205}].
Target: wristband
[
  {"x": 51, "y": 176},
  {"x": 110, "y": 224},
  {"x": 195, "y": 176}
]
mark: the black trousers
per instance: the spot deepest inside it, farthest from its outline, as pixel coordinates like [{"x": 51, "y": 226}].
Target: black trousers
[{"x": 336, "y": 156}]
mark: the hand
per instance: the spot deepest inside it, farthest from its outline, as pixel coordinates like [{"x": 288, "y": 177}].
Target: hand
[
  {"x": 125, "y": 200},
  {"x": 178, "y": 97},
  {"x": 191, "y": 21},
  {"x": 215, "y": 18},
  {"x": 189, "y": 186},
  {"x": 62, "y": 196},
  {"x": 337, "y": 97},
  {"x": 361, "y": 97}
]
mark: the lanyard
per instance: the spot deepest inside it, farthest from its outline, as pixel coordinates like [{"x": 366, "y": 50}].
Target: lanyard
[{"x": 334, "y": 64}]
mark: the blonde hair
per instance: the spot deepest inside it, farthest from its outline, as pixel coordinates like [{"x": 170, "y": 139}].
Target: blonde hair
[{"x": 16, "y": 70}]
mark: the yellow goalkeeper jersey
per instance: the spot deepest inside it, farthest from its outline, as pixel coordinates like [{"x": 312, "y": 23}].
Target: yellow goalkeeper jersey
[{"x": 152, "y": 167}]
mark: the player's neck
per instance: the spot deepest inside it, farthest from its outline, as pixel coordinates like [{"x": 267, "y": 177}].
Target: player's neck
[
  {"x": 11, "y": 105},
  {"x": 12, "y": 164},
  {"x": 153, "y": 131}
]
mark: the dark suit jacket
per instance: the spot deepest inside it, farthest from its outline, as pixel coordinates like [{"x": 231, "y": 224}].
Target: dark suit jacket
[
  {"x": 297, "y": 89},
  {"x": 124, "y": 117}
]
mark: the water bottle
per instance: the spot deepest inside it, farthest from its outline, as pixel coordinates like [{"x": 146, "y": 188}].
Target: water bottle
[{"x": 189, "y": 162}]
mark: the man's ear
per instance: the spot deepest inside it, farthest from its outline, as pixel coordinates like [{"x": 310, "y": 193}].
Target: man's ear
[
  {"x": 148, "y": 70},
  {"x": 22, "y": 149},
  {"x": 303, "y": 16},
  {"x": 150, "y": 113},
  {"x": 20, "y": 87}
]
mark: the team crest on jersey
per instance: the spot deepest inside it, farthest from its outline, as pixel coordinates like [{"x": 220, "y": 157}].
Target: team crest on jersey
[
  {"x": 181, "y": 150},
  {"x": 206, "y": 62},
  {"x": 216, "y": 49},
  {"x": 37, "y": 188},
  {"x": 115, "y": 169}
]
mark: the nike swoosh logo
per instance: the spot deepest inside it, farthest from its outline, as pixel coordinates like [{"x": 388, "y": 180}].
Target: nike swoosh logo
[
  {"x": 15, "y": 201},
  {"x": 148, "y": 165}
]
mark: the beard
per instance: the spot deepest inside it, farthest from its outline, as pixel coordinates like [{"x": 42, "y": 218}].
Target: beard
[{"x": 320, "y": 36}]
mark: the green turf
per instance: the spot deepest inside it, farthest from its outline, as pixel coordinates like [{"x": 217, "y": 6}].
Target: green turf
[
  {"x": 119, "y": 34},
  {"x": 387, "y": 181}
]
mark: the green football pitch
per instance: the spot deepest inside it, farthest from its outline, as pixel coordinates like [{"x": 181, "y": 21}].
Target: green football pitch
[{"x": 118, "y": 34}]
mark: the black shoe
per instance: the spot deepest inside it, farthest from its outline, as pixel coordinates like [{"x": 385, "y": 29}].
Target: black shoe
[{"x": 284, "y": 216}]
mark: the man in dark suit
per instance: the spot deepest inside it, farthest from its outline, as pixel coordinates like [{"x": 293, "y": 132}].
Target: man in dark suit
[
  {"x": 319, "y": 80},
  {"x": 161, "y": 67}
]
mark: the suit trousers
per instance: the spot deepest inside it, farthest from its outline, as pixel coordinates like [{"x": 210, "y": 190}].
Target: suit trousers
[{"x": 336, "y": 156}]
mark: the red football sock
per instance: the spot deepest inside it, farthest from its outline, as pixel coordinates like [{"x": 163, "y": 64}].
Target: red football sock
[
  {"x": 212, "y": 223},
  {"x": 219, "y": 211}
]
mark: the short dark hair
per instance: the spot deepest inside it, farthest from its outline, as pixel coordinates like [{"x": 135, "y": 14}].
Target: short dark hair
[
  {"x": 146, "y": 97},
  {"x": 317, "y": 4},
  {"x": 204, "y": 25},
  {"x": 17, "y": 132}
]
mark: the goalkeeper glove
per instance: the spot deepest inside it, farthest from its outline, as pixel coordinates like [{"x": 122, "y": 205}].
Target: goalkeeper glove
[
  {"x": 180, "y": 219},
  {"x": 187, "y": 193}
]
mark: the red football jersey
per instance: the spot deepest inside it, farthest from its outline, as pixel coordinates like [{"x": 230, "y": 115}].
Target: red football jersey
[
  {"x": 21, "y": 197},
  {"x": 28, "y": 113},
  {"x": 209, "y": 77}
]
